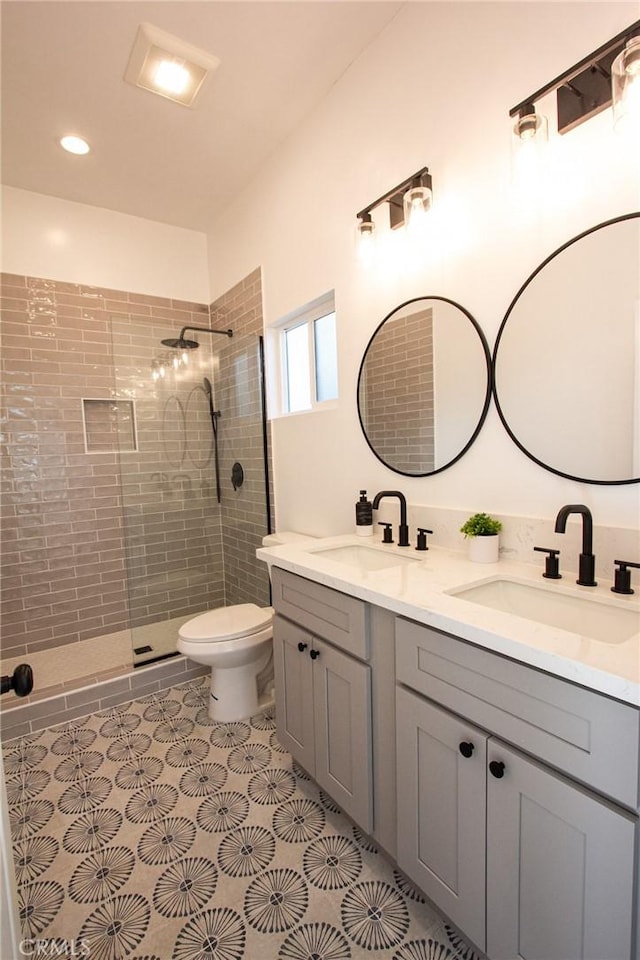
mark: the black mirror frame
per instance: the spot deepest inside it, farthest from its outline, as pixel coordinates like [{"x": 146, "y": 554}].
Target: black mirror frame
[
  {"x": 488, "y": 392},
  {"x": 501, "y": 414}
]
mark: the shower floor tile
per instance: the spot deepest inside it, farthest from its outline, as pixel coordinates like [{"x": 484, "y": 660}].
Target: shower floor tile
[{"x": 148, "y": 832}]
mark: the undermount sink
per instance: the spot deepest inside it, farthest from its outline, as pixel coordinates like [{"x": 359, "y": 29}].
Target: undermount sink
[
  {"x": 365, "y": 559},
  {"x": 589, "y": 616}
]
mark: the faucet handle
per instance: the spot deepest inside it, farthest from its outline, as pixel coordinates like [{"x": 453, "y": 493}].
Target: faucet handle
[
  {"x": 622, "y": 578},
  {"x": 552, "y": 565},
  {"x": 387, "y": 536},
  {"x": 422, "y": 538}
]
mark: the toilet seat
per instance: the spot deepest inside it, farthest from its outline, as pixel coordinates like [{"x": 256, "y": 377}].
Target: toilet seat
[{"x": 227, "y": 623}]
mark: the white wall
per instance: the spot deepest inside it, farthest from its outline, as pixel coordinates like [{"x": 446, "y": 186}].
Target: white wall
[
  {"x": 46, "y": 237},
  {"x": 434, "y": 89}
]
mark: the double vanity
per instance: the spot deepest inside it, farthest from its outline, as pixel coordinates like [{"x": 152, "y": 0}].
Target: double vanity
[{"x": 493, "y": 754}]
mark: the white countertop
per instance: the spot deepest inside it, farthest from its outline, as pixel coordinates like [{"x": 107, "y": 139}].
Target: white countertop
[{"x": 419, "y": 591}]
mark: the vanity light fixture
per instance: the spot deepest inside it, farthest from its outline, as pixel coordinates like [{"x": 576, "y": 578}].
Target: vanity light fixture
[
  {"x": 611, "y": 74},
  {"x": 408, "y": 202},
  {"x": 167, "y": 65}
]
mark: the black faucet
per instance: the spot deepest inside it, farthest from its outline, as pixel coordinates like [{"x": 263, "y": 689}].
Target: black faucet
[
  {"x": 587, "y": 561},
  {"x": 403, "y": 530}
]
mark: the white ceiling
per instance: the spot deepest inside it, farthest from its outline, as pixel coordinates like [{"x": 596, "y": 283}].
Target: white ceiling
[{"x": 62, "y": 72}]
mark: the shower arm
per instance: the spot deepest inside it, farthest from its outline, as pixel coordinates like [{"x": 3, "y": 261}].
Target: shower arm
[{"x": 225, "y": 333}]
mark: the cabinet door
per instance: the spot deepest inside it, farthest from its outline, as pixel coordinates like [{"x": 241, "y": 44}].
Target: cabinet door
[
  {"x": 294, "y": 691},
  {"x": 559, "y": 867},
  {"x": 441, "y": 809},
  {"x": 342, "y": 705}
]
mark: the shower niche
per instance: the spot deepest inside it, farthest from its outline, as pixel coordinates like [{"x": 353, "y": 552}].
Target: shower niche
[{"x": 109, "y": 425}]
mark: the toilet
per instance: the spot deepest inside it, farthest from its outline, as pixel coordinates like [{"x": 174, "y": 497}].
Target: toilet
[{"x": 237, "y": 643}]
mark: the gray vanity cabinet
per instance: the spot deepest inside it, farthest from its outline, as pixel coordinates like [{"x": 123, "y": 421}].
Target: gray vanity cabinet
[
  {"x": 323, "y": 694},
  {"x": 559, "y": 866},
  {"x": 441, "y": 763},
  {"x": 527, "y": 862},
  {"x": 294, "y": 691}
]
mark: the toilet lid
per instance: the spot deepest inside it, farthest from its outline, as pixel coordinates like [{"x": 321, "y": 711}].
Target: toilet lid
[{"x": 227, "y": 623}]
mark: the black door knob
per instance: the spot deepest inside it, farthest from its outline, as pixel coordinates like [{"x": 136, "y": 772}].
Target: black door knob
[
  {"x": 21, "y": 681},
  {"x": 302, "y": 646},
  {"x": 466, "y": 748},
  {"x": 497, "y": 769},
  {"x": 314, "y": 654}
]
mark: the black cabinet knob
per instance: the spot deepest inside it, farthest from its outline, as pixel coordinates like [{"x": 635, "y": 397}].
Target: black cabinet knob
[
  {"x": 302, "y": 646},
  {"x": 466, "y": 748},
  {"x": 496, "y": 768},
  {"x": 314, "y": 654}
]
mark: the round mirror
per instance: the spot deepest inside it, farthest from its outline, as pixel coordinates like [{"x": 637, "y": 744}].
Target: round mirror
[
  {"x": 567, "y": 358},
  {"x": 424, "y": 386}
]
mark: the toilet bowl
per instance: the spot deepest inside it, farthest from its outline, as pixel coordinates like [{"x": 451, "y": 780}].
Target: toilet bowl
[{"x": 236, "y": 642}]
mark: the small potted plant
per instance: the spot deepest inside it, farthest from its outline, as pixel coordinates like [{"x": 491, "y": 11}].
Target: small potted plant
[{"x": 482, "y": 531}]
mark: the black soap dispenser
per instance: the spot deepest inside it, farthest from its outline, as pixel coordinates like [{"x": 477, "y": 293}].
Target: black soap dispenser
[{"x": 364, "y": 516}]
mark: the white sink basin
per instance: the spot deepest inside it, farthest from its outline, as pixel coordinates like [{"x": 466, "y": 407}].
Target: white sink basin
[
  {"x": 365, "y": 559},
  {"x": 592, "y": 617}
]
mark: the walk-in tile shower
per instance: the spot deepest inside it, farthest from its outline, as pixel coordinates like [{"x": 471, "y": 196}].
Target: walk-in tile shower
[{"x": 113, "y": 534}]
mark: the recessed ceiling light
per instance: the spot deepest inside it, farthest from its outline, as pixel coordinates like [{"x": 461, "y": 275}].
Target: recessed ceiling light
[
  {"x": 172, "y": 77},
  {"x": 168, "y": 66},
  {"x": 75, "y": 145}
]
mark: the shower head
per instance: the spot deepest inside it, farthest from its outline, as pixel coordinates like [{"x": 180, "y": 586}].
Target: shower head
[
  {"x": 181, "y": 343},
  {"x": 207, "y": 387}
]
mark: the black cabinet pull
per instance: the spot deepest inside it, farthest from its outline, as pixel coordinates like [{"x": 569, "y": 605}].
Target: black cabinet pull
[
  {"x": 497, "y": 769},
  {"x": 314, "y": 654},
  {"x": 302, "y": 646},
  {"x": 466, "y": 748}
]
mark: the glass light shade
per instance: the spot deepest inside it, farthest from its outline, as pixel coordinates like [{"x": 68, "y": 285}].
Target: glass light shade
[
  {"x": 528, "y": 150},
  {"x": 531, "y": 126},
  {"x": 365, "y": 234},
  {"x": 625, "y": 88},
  {"x": 416, "y": 202},
  {"x": 366, "y": 229}
]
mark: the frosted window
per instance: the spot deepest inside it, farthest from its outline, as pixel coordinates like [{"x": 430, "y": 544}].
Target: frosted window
[
  {"x": 297, "y": 364},
  {"x": 326, "y": 358}
]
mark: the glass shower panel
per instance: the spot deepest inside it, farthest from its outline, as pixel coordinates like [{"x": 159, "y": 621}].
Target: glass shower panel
[
  {"x": 186, "y": 552},
  {"x": 243, "y": 517}
]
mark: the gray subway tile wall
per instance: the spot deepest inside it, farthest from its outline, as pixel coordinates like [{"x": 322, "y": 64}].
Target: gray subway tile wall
[{"x": 94, "y": 543}]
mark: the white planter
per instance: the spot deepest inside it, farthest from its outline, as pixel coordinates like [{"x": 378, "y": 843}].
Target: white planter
[{"x": 484, "y": 549}]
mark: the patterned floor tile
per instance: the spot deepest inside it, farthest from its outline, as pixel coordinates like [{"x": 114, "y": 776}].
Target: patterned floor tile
[{"x": 149, "y": 832}]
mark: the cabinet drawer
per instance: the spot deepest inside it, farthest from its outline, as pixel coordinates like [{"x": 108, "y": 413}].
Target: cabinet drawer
[
  {"x": 324, "y": 612},
  {"x": 586, "y": 735}
]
